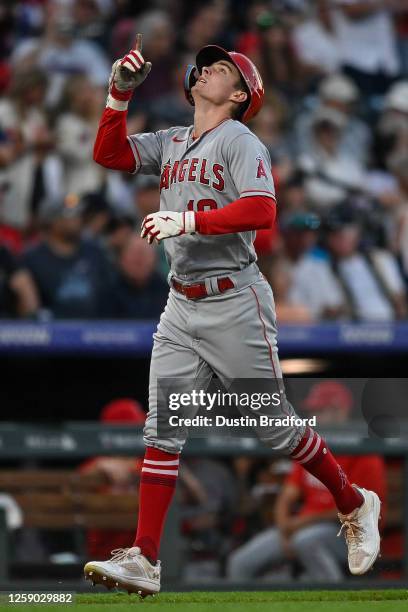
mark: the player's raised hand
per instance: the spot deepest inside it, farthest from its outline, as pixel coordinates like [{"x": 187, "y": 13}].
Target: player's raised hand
[
  {"x": 132, "y": 69},
  {"x": 128, "y": 73},
  {"x": 167, "y": 224}
]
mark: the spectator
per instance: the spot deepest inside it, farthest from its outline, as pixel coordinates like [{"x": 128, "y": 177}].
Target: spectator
[
  {"x": 18, "y": 295},
  {"x": 89, "y": 17},
  {"x": 59, "y": 53},
  {"x": 269, "y": 126},
  {"x": 146, "y": 195},
  {"x": 119, "y": 189},
  {"x": 393, "y": 124},
  {"x": 207, "y": 25},
  {"x": 390, "y": 141},
  {"x": 122, "y": 35},
  {"x": 292, "y": 195},
  {"x": 121, "y": 474},
  {"x": 147, "y": 200},
  {"x": 315, "y": 41},
  {"x": 259, "y": 482},
  {"x": 139, "y": 291},
  {"x": 172, "y": 107},
  {"x": 158, "y": 46},
  {"x": 75, "y": 132},
  {"x": 330, "y": 174},
  {"x": 10, "y": 149},
  {"x": 72, "y": 275},
  {"x": 312, "y": 284},
  {"x": 7, "y": 29},
  {"x": 33, "y": 175},
  {"x": 370, "y": 279},
  {"x": 29, "y": 18},
  {"x": 279, "y": 276},
  {"x": 31, "y": 170},
  {"x": 367, "y": 43},
  {"x": 399, "y": 238},
  {"x": 118, "y": 232},
  {"x": 274, "y": 55},
  {"x": 337, "y": 92},
  {"x": 22, "y": 112},
  {"x": 396, "y": 100},
  {"x": 247, "y": 42},
  {"x": 96, "y": 216}
]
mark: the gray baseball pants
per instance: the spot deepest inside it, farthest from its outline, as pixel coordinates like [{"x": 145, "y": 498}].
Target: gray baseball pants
[
  {"x": 231, "y": 335},
  {"x": 321, "y": 554}
]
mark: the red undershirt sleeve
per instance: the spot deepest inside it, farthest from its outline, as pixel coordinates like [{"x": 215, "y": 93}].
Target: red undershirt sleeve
[
  {"x": 112, "y": 148},
  {"x": 242, "y": 215}
]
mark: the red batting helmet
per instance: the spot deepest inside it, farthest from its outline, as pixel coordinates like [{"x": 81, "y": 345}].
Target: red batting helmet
[{"x": 247, "y": 69}]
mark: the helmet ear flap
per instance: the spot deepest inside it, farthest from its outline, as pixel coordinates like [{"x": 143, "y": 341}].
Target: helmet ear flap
[{"x": 190, "y": 79}]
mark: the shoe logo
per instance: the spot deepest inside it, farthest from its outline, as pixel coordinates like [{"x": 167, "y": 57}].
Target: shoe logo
[{"x": 176, "y": 139}]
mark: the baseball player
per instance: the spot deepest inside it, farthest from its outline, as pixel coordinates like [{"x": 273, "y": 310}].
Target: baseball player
[{"x": 216, "y": 190}]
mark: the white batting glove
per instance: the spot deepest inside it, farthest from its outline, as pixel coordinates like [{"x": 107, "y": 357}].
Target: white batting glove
[
  {"x": 166, "y": 224},
  {"x": 127, "y": 74}
]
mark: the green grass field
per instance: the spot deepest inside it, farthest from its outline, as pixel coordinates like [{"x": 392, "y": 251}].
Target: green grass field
[{"x": 274, "y": 601}]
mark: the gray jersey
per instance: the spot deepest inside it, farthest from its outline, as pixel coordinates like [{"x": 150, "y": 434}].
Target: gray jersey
[{"x": 224, "y": 164}]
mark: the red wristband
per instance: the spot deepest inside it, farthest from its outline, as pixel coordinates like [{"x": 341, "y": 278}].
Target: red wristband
[{"x": 124, "y": 96}]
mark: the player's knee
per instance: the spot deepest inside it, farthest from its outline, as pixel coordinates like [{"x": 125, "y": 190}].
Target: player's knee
[
  {"x": 302, "y": 540},
  {"x": 238, "y": 566}
]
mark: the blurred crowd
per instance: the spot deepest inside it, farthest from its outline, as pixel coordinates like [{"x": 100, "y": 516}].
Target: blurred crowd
[{"x": 335, "y": 122}]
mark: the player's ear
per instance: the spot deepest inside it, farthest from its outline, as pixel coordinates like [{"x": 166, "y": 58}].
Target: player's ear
[{"x": 239, "y": 96}]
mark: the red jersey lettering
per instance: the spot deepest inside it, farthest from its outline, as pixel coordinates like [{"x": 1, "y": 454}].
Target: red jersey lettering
[
  {"x": 182, "y": 171},
  {"x": 193, "y": 166},
  {"x": 203, "y": 179},
  {"x": 261, "y": 168},
  {"x": 173, "y": 178},
  {"x": 164, "y": 179},
  {"x": 218, "y": 171}
]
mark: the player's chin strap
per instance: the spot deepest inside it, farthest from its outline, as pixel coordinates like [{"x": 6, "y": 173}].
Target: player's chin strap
[{"x": 190, "y": 79}]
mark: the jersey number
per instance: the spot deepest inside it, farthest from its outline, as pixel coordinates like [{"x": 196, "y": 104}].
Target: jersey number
[{"x": 202, "y": 204}]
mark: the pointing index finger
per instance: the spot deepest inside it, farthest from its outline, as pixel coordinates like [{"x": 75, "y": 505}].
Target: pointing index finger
[{"x": 138, "y": 43}]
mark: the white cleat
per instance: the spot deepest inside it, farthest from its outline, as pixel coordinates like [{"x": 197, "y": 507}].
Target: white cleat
[
  {"x": 127, "y": 569},
  {"x": 361, "y": 532}
]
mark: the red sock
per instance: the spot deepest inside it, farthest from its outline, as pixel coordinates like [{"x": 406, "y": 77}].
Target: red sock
[
  {"x": 157, "y": 486},
  {"x": 314, "y": 455}
]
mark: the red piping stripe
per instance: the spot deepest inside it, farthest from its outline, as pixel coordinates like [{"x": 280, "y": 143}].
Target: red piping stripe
[
  {"x": 267, "y": 341},
  {"x": 137, "y": 151},
  {"x": 264, "y": 331},
  {"x": 259, "y": 191}
]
